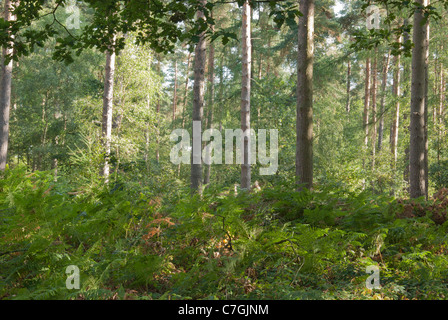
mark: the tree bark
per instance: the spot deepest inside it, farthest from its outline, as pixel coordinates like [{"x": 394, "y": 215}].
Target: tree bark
[
  {"x": 304, "y": 126},
  {"x": 175, "y": 91},
  {"x": 386, "y": 61},
  {"x": 245, "y": 95},
  {"x": 108, "y": 111},
  {"x": 396, "y": 117},
  {"x": 198, "y": 107},
  {"x": 426, "y": 106},
  {"x": 366, "y": 105},
  {"x": 439, "y": 116},
  {"x": 158, "y": 118},
  {"x": 349, "y": 73},
  {"x": 418, "y": 92},
  {"x": 184, "y": 104},
  {"x": 5, "y": 93},
  {"x": 374, "y": 109},
  {"x": 211, "y": 94}
]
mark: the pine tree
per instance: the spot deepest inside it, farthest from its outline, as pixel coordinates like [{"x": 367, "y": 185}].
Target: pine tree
[
  {"x": 304, "y": 124},
  {"x": 5, "y": 92}
]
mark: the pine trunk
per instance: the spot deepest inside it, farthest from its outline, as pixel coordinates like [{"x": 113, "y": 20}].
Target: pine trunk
[
  {"x": 184, "y": 104},
  {"x": 386, "y": 61},
  {"x": 366, "y": 104},
  {"x": 439, "y": 117},
  {"x": 211, "y": 94},
  {"x": 108, "y": 111},
  {"x": 5, "y": 93},
  {"x": 349, "y": 73},
  {"x": 175, "y": 91},
  {"x": 245, "y": 95},
  {"x": 304, "y": 126},
  {"x": 374, "y": 109},
  {"x": 418, "y": 92},
  {"x": 198, "y": 107},
  {"x": 396, "y": 117}
]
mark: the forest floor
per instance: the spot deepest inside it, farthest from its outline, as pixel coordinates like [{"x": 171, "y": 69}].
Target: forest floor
[{"x": 275, "y": 243}]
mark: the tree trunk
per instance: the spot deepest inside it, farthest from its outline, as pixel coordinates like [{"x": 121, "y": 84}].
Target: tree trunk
[
  {"x": 44, "y": 132},
  {"x": 439, "y": 117},
  {"x": 175, "y": 91},
  {"x": 435, "y": 87},
  {"x": 184, "y": 104},
  {"x": 374, "y": 95},
  {"x": 396, "y": 118},
  {"x": 366, "y": 107},
  {"x": 211, "y": 93},
  {"x": 426, "y": 107},
  {"x": 158, "y": 120},
  {"x": 386, "y": 61},
  {"x": 198, "y": 108},
  {"x": 245, "y": 96},
  {"x": 417, "y": 126},
  {"x": 5, "y": 93},
  {"x": 107, "y": 110},
  {"x": 304, "y": 126},
  {"x": 221, "y": 89},
  {"x": 349, "y": 73}
]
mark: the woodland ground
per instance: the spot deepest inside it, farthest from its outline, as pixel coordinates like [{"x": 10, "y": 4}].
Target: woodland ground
[{"x": 135, "y": 241}]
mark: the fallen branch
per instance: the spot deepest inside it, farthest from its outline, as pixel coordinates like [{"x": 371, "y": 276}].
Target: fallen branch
[{"x": 12, "y": 251}]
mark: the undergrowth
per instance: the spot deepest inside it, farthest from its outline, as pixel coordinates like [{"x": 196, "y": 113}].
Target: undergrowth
[{"x": 131, "y": 243}]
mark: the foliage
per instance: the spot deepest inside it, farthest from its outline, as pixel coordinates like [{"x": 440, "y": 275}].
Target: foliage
[{"x": 271, "y": 244}]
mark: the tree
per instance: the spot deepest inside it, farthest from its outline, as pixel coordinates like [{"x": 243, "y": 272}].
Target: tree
[
  {"x": 108, "y": 100},
  {"x": 417, "y": 154},
  {"x": 374, "y": 91},
  {"x": 367, "y": 89},
  {"x": 304, "y": 122},
  {"x": 184, "y": 104},
  {"x": 349, "y": 73},
  {"x": 5, "y": 91},
  {"x": 198, "y": 106},
  {"x": 211, "y": 93},
  {"x": 396, "y": 115},
  {"x": 386, "y": 61},
  {"x": 175, "y": 91},
  {"x": 245, "y": 96}
]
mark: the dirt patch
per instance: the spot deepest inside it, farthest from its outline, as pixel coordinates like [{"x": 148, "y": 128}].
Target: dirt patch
[{"x": 437, "y": 207}]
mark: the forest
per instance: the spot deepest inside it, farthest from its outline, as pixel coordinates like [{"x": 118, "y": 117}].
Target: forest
[{"x": 223, "y": 150}]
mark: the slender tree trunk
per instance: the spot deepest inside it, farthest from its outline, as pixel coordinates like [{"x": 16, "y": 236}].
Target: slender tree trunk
[
  {"x": 175, "y": 91},
  {"x": 158, "y": 119},
  {"x": 417, "y": 125},
  {"x": 268, "y": 61},
  {"x": 396, "y": 117},
  {"x": 198, "y": 107},
  {"x": 245, "y": 96},
  {"x": 349, "y": 74},
  {"x": 211, "y": 93},
  {"x": 221, "y": 90},
  {"x": 439, "y": 117},
  {"x": 5, "y": 93},
  {"x": 426, "y": 106},
  {"x": 251, "y": 17},
  {"x": 184, "y": 104},
  {"x": 158, "y": 131},
  {"x": 406, "y": 72},
  {"x": 435, "y": 88},
  {"x": 44, "y": 132},
  {"x": 304, "y": 125},
  {"x": 366, "y": 107},
  {"x": 386, "y": 61},
  {"x": 108, "y": 111},
  {"x": 374, "y": 109}
]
